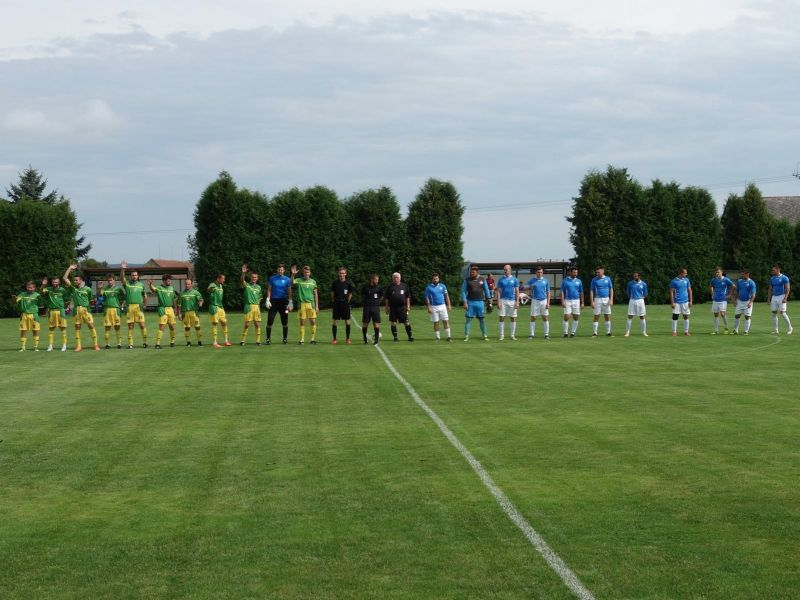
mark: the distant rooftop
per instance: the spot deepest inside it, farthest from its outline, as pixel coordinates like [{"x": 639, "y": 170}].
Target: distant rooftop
[{"x": 784, "y": 207}]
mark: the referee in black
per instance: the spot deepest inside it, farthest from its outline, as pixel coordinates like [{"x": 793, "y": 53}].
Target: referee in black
[
  {"x": 341, "y": 294},
  {"x": 398, "y": 305},
  {"x": 371, "y": 295}
]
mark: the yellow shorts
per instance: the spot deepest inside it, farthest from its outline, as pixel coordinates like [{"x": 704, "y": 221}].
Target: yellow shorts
[
  {"x": 306, "y": 311},
  {"x": 190, "y": 319},
  {"x": 82, "y": 315},
  {"x": 252, "y": 314},
  {"x": 218, "y": 317},
  {"x": 168, "y": 318},
  {"x": 56, "y": 320},
  {"x": 135, "y": 314},
  {"x": 111, "y": 317},
  {"x": 28, "y": 322}
]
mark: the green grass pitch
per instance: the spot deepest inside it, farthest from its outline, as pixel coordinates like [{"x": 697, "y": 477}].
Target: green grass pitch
[{"x": 655, "y": 467}]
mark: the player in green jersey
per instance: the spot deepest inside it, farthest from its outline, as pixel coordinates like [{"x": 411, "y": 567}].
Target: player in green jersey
[
  {"x": 56, "y": 297},
  {"x": 167, "y": 299},
  {"x": 189, "y": 302},
  {"x": 81, "y": 295},
  {"x": 216, "y": 311},
  {"x": 28, "y": 305},
  {"x": 135, "y": 303},
  {"x": 308, "y": 298},
  {"x": 253, "y": 293},
  {"x": 113, "y": 296}
]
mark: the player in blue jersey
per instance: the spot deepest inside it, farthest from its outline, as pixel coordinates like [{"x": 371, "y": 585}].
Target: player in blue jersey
[
  {"x": 438, "y": 301},
  {"x": 539, "y": 288},
  {"x": 601, "y": 296},
  {"x": 721, "y": 288},
  {"x": 571, "y": 300},
  {"x": 745, "y": 296},
  {"x": 507, "y": 302},
  {"x": 279, "y": 301},
  {"x": 637, "y": 292},
  {"x": 681, "y": 297},
  {"x": 779, "y": 288},
  {"x": 474, "y": 296}
]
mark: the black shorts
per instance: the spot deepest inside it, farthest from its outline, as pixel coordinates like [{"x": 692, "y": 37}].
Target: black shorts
[
  {"x": 341, "y": 310},
  {"x": 372, "y": 313},
  {"x": 398, "y": 314}
]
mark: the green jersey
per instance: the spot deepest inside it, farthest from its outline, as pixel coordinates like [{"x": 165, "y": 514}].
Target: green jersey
[
  {"x": 215, "y": 295},
  {"x": 253, "y": 293},
  {"x": 81, "y": 296},
  {"x": 134, "y": 291},
  {"x": 190, "y": 300},
  {"x": 305, "y": 289},
  {"x": 165, "y": 295},
  {"x": 56, "y": 298},
  {"x": 112, "y": 296},
  {"x": 28, "y": 302}
]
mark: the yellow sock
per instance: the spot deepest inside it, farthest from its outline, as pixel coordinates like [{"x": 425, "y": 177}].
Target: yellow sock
[
  {"x": 130, "y": 337},
  {"x": 35, "y": 341},
  {"x": 171, "y": 336},
  {"x": 214, "y": 330},
  {"x": 94, "y": 335},
  {"x": 159, "y": 335},
  {"x": 244, "y": 335},
  {"x": 23, "y": 341},
  {"x": 303, "y": 334},
  {"x": 144, "y": 335},
  {"x": 258, "y": 335},
  {"x": 119, "y": 337},
  {"x": 63, "y": 337},
  {"x": 77, "y": 338},
  {"x": 107, "y": 336},
  {"x": 314, "y": 331},
  {"x": 197, "y": 331},
  {"x": 186, "y": 333},
  {"x": 51, "y": 337},
  {"x": 225, "y": 331}
]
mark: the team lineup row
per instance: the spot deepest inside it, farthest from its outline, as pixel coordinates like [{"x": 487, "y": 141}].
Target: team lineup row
[{"x": 279, "y": 293}]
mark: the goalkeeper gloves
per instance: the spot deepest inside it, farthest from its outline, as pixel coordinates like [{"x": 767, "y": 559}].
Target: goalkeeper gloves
[
  {"x": 291, "y": 306},
  {"x": 269, "y": 304}
]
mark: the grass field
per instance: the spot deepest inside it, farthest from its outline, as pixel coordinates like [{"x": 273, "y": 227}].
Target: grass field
[{"x": 654, "y": 467}]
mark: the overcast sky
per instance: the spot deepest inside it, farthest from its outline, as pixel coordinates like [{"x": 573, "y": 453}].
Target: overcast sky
[{"x": 132, "y": 108}]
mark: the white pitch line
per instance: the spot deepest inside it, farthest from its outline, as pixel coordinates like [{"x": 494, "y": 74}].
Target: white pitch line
[{"x": 553, "y": 560}]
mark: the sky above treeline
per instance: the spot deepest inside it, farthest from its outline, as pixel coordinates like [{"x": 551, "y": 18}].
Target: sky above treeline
[{"x": 131, "y": 109}]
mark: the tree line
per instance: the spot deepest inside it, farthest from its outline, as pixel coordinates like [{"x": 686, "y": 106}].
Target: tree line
[
  {"x": 365, "y": 232},
  {"x": 624, "y": 226}
]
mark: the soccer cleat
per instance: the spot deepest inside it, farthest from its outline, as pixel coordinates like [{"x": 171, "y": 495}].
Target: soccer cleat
[
  {"x": 96, "y": 348},
  {"x": 35, "y": 349},
  {"x": 108, "y": 347},
  {"x": 227, "y": 343},
  {"x": 199, "y": 343},
  {"x": 437, "y": 339},
  {"x": 64, "y": 348},
  {"x": 501, "y": 338},
  {"x": 727, "y": 331},
  {"x": 566, "y": 335},
  {"x": 313, "y": 342},
  {"x": 301, "y": 342},
  {"x": 215, "y": 345},
  {"x": 285, "y": 341},
  {"x": 50, "y": 348},
  {"x": 735, "y": 332},
  {"x": 747, "y": 333},
  {"x": 375, "y": 343},
  {"x": 22, "y": 349},
  {"x": 713, "y": 333},
  {"x": 789, "y": 331},
  {"x": 449, "y": 339},
  {"x": 158, "y": 346},
  {"x": 188, "y": 344},
  {"x": 172, "y": 344},
  {"x": 258, "y": 343},
  {"x": 571, "y": 335},
  {"x": 466, "y": 339},
  {"x": 119, "y": 346},
  {"x": 268, "y": 342},
  {"x": 686, "y": 333},
  {"x": 130, "y": 346},
  {"x": 627, "y": 334},
  {"x": 241, "y": 343},
  {"x": 411, "y": 339},
  {"x": 530, "y": 337},
  {"x": 775, "y": 332},
  {"x": 348, "y": 341},
  {"x": 144, "y": 345},
  {"x": 486, "y": 338},
  {"x": 514, "y": 338},
  {"x": 547, "y": 338},
  {"x": 334, "y": 342},
  {"x": 395, "y": 340},
  {"x": 609, "y": 334},
  {"x": 366, "y": 342},
  {"x": 594, "y": 335},
  {"x": 674, "y": 334},
  {"x": 645, "y": 335}
]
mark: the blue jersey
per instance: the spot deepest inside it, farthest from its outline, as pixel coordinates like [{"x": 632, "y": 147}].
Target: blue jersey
[
  {"x": 539, "y": 288},
  {"x": 637, "y": 290},
  {"x": 506, "y": 287},
  {"x": 746, "y": 289},
  {"x": 778, "y": 284},
  {"x": 681, "y": 285},
  {"x": 436, "y": 294},
  {"x": 571, "y": 289},
  {"x": 721, "y": 287},
  {"x": 601, "y": 286},
  {"x": 279, "y": 287}
]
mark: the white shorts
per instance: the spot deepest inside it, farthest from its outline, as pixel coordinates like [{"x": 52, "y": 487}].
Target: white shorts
[
  {"x": 777, "y": 304},
  {"x": 439, "y": 313},
  {"x": 682, "y": 308},
  {"x": 572, "y": 307},
  {"x": 718, "y": 307},
  {"x": 539, "y": 308},
  {"x": 506, "y": 308},
  {"x": 602, "y": 306},
  {"x": 636, "y": 308},
  {"x": 742, "y": 308}
]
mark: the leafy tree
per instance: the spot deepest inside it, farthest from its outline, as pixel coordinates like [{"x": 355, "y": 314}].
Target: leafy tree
[
  {"x": 746, "y": 226},
  {"x": 433, "y": 229},
  {"x": 781, "y": 247}
]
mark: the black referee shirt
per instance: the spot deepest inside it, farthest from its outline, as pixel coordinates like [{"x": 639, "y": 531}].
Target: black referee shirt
[
  {"x": 372, "y": 295},
  {"x": 341, "y": 290},
  {"x": 397, "y": 294}
]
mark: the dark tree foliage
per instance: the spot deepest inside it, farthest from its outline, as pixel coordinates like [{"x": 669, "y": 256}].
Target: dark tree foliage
[
  {"x": 434, "y": 231},
  {"x": 38, "y": 241},
  {"x": 618, "y": 224},
  {"x": 781, "y": 247}
]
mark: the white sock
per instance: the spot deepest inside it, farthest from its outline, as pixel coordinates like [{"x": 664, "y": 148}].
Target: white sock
[
  {"x": 513, "y": 328},
  {"x": 502, "y": 327},
  {"x": 608, "y": 326},
  {"x": 547, "y": 328},
  {"x": 628, "y": 326},
  {"x": 775, "y": 322},
  {"x": 716, "y": 323},
  {"x": 594, "y": 327},
  {"x": 747, "y": 325},
  {"x": 574, "y": 326},
  {"x": 644, "y": 325},
  {"x": 447, "y": 333},
  {"x": 436, "y": 334},
  {"x": 686, "y": 325},
  {"x": 566, "y": 326},
  {"x": 674, "y": 326},
  {"x": 532, "y": 328}
]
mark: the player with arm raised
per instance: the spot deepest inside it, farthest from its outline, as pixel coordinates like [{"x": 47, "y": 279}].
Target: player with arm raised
[
  {"x": 28, "y": 306},
  {"x": 637, "y": 292},
  {"x": 135, "y": 302},
  {"x": 720, "y": 288},
  {"x": 81, "y": 295},
  {"x": 438, "y": 301},
  {"x": 279, "y": 302},
  {"x": 190, "y": 301},
  {"x": 253, "y": 292},
  {"x": 56, "y": 298},
  {"x": 745, "y": 296},
  {"x": 474, "y": 296},
  {"x": 779, "y": 288},
  {"x": 680, "y": 298}
]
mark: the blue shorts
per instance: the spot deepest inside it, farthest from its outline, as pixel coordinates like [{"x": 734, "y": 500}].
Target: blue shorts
[{"x": 475, "y": 308}]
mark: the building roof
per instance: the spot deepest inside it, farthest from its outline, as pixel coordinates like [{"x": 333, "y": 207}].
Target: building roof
[
  {"x": 169, "y": 264},
  {"x": 784, "y": 207}
]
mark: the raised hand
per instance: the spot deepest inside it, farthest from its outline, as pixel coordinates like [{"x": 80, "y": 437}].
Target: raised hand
[
  {"x": 244, "y": 269},
  {"x": 124, "y": 264},
  {"x": 294, "y": 270},
  {"x": 44, "y": 281}
]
